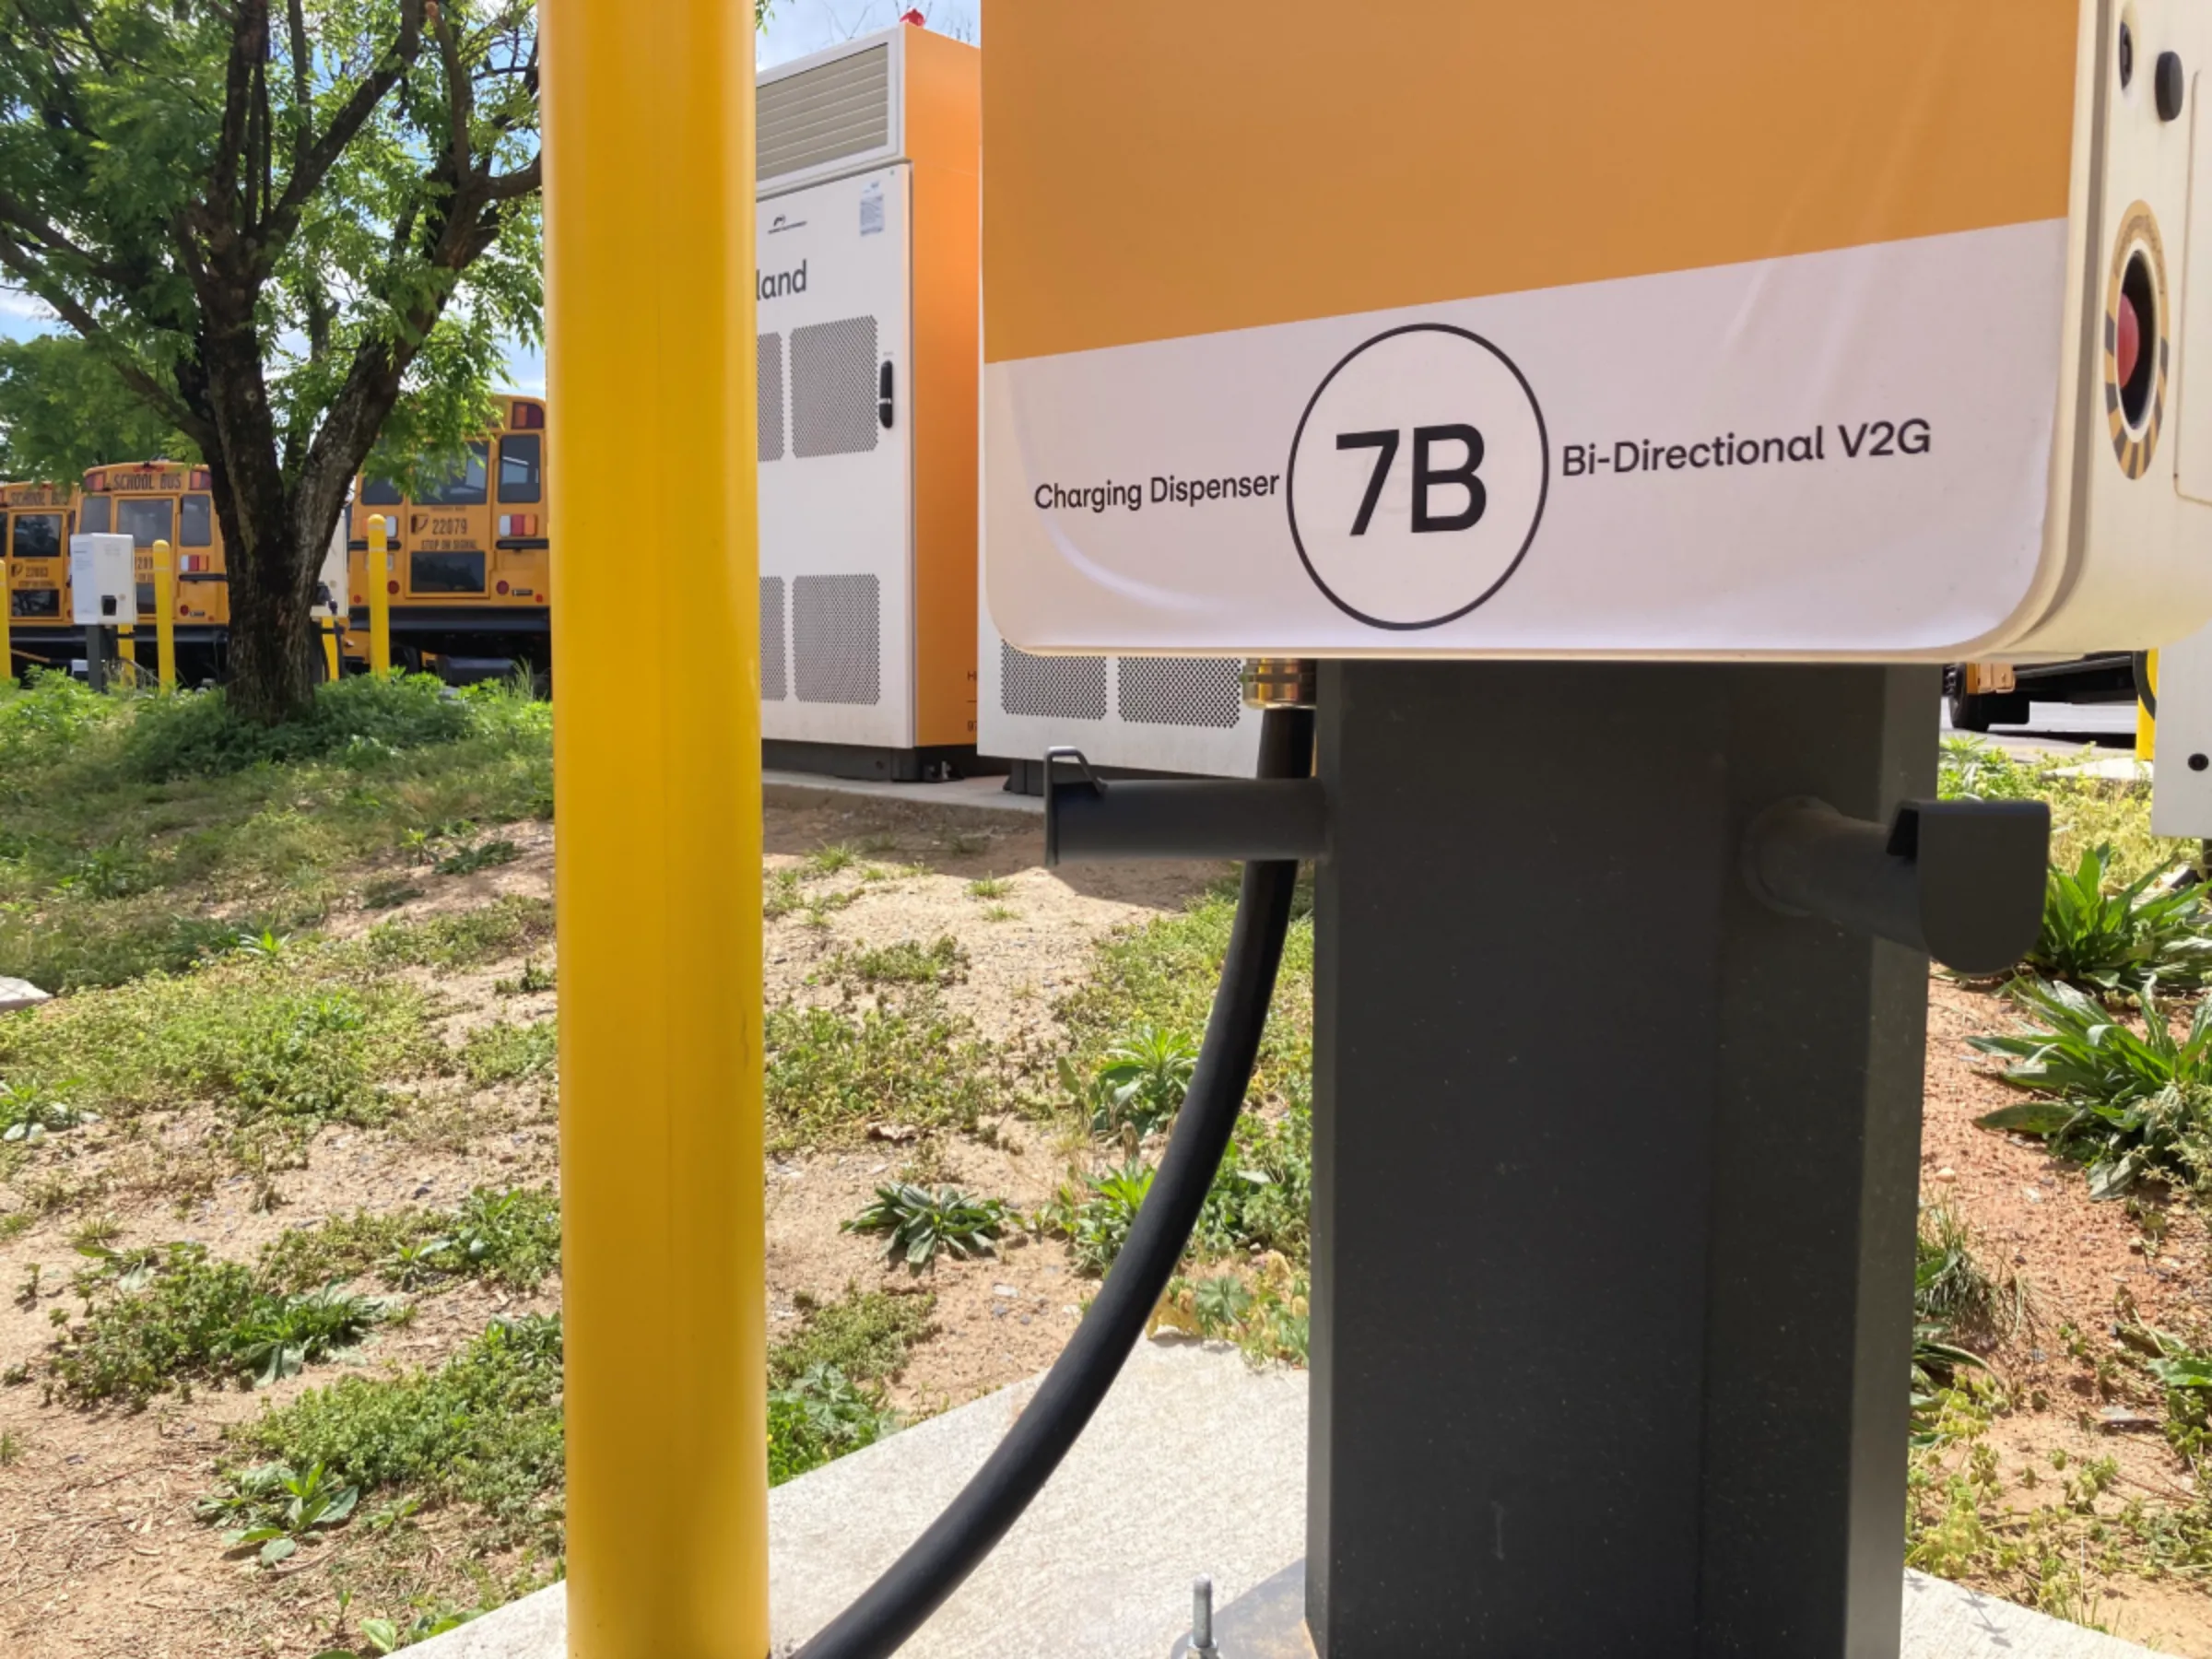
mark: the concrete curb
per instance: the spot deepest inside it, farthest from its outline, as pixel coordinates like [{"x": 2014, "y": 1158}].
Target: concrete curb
[{"x": 1195, "y": 1463}]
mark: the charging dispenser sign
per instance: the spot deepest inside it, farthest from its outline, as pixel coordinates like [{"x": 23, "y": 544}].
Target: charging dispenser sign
[
  {"x": 1799, "y": 454},
  {"x": 1784, "y": 338}
]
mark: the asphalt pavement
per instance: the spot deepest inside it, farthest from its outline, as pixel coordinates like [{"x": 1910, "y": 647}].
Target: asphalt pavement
[{"x": 2061, "y": 728}]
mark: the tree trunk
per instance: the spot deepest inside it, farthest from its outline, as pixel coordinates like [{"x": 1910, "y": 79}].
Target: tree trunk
[{"x": 269, "y": 676}]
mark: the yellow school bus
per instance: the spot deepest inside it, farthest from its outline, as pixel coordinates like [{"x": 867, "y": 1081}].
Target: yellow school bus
[
  {"x": 167, "y": 500},
  {"x": 36, "y": 521},
  {"x": 471, "y": 565}
]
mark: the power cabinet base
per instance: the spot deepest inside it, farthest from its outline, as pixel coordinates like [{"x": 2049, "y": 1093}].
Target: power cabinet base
[{"x": 869, "y": 763}]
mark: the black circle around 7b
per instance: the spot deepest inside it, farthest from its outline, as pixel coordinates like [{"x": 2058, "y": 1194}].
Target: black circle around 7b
[{"x": 1535, "y": 518}]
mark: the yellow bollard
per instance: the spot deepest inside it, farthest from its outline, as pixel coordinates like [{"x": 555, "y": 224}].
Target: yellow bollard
[
  {"x": 7, "y": 604},
  {"x": 2146, "y": 724},
  {"x": 648, "y": 121},
  {"x": 165, "y": 616},
  {"x": 379, "y": 597},
  {"x": 329, "y": 648}
]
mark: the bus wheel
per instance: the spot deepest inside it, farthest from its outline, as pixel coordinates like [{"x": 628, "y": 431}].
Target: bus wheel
[{"x": 1976, "y": 712}]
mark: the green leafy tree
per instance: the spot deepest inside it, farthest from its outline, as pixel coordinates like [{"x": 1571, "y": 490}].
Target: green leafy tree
[
  {"x": 289, "y": 228},
  {"x": 63, "y": 408}
]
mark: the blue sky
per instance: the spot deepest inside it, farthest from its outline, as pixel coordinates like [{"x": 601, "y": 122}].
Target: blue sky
[{"x": 794, "y": 28}]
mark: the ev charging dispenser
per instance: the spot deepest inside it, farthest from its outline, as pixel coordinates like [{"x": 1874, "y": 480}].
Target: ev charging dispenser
[
  {"x": 868, "y": 281},
  {"x": 1631, "y": 407}
]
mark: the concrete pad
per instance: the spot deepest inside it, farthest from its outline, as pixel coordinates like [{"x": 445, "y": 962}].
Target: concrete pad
[
  {"x": 19, "y": 994},
  {"x": 961, "y": 794},
  {"x": 1196, "y": 1463}
]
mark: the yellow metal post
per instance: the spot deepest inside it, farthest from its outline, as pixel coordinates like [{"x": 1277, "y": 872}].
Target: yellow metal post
[
  {"x": 7, "y": 604},
  {"x": 379, "y": 597},
  {"x": 126, "y": 652},
  {"x": 329, "y": 648},
  {"x": 2146, "y": 724},
  {"x": 648, "y": 121},
  {"x": 165, "y": 616}
]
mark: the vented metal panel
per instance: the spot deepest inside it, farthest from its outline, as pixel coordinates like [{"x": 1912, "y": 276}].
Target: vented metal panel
[
  {"x": 1051, "y": 688},
  {"x": 842, "y": 109},
  {"x": 1193, "y": 691},
  {"x": 834, "y": 388},
  {"x": 772, "y": 397},
  {"x": 773, "y": 687},
  {"x": 836, "y": 638}
]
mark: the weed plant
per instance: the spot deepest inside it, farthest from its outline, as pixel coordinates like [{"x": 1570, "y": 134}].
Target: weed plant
[
  {"x": 921, "y": 1222},
  {"x": 2120, "y": 939},
  {"x": 2086, "y": 812},
  {"x": 1140, "y": 1080},
  {"x": 2125, "y": 1103}
]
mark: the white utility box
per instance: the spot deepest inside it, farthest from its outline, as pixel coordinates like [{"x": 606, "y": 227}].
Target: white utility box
[{"x": 104, "y": 586}]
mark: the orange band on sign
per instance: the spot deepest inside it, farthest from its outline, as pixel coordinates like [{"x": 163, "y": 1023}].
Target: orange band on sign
[{"x": 1160, "y": 169}]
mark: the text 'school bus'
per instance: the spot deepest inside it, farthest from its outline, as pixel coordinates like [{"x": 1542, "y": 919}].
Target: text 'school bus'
[
  {"x": 168, "y": 500},
  {"x": 471, "y": 564},
  {"x": 36, "y": 521}
]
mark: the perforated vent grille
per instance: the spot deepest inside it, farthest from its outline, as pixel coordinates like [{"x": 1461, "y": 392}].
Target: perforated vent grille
[
  {"x": 772, "y": 688},
  {"x": 772, "y": 397},
  {"x": 1189, "y": 692},
  {"x": 842, "y": 109},
  {"x": 1051, "y": 688},
  {"x": 833, "y": 387},
  {"x": 836, "y": 639}
]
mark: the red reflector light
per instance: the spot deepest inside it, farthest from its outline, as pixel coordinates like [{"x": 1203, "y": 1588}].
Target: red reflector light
[
  {"x": 390, "y": 587},
  {"x": 541, "y": 598},
  {"x": 183, "y": 610},
  {"x": 502, "y": 587},
  {"x": 2128, "y": 348},
  {"x": 356, "y": 599}
]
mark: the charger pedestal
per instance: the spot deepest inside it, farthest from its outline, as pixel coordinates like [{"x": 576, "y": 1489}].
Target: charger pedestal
[{"x": 1615, "y": 1169}]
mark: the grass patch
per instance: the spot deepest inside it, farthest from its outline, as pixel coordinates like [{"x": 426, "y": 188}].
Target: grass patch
[
  {"x": 125, "y": 818},
  {"x": 511, "y": 1236},
  {"x": 832, "y": 1073},
  {"x": 868, "y": 1334},
  {"x": 484, "y": 1428},
  {"x": 509, "y": 925},
  {"x": 1163, "y": 975},
  {"x": 156, "y": 1318},
  {"x": 295, "y": 1036},
  {"x": 502, "y": 1052},
  {"x": 990, "y": 886},
  {"x": 941, "y": 961}
]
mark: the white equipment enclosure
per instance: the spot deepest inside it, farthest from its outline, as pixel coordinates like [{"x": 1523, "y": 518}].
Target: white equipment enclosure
[
  {"x": 104, "y": 586},
  {"x": 867, "y": 283},
  {"x": 1130, "y": 714},
  {"x": 1708, "y": 330}
]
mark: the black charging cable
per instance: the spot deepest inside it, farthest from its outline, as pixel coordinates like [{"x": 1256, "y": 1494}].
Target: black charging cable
[{"x": 938, "y": 1563}]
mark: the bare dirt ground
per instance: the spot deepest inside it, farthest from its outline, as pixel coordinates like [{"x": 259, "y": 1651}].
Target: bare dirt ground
[{"x": 100, "y": 1555}]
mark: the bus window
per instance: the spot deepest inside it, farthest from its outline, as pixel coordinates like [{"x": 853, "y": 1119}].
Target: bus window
[
  {"x": 195, "y": 522},
  {"x": 145, "y": 519},
  {"x": 92, "y": 517},
  {"x": 375, "y": 492},
  {"x": 37, "y": 535},
  {"x": 519, "y": 478},
  {"x": 36, "y": 602},
  {"x": 463, "y": 480}
]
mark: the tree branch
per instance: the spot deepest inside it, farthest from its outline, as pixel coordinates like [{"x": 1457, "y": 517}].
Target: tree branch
[
  {"x": 96, "y": 335},
  {"x": 321, "y": 155}
]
